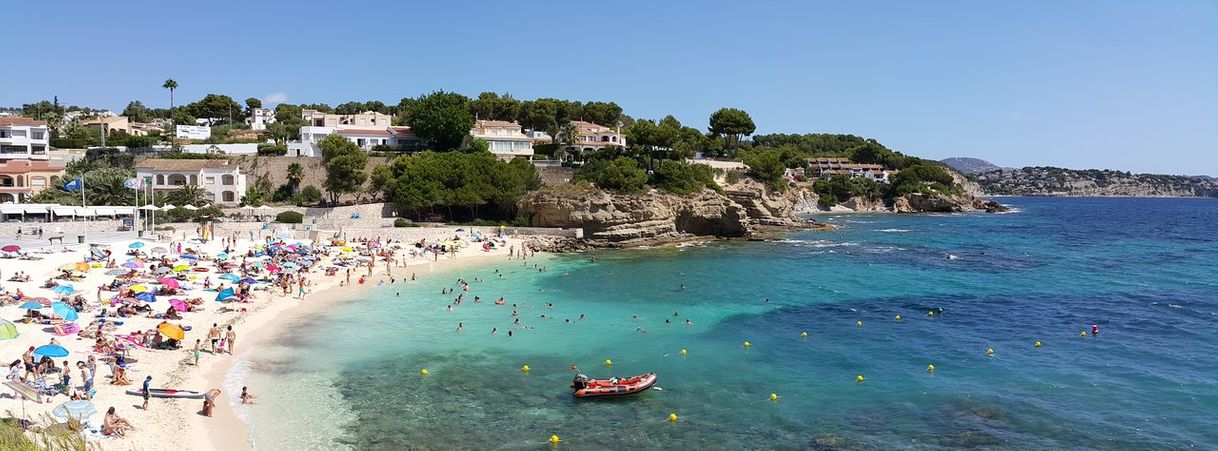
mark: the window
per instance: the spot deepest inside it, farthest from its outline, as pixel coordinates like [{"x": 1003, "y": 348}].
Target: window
[
  {"x": 210, "y": 180},
  {"x": 38, "y": 181},
  {"x": 229, "y": 196},
  {"x": 37, "y": 135},
  {"x": 160, "y": 179},
  {"x": 3, "y": 133},
  {"x": 227, "y": 180}
]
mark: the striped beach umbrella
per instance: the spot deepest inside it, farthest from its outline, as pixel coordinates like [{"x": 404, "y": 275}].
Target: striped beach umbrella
[
  {"x": 24, "y": 390},
  {"x": 77, "y": 410}
]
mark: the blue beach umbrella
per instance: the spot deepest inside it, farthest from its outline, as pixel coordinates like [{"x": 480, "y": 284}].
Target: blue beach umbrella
[
  {"x": 31, "y": 305},
  {"x": 146, "y": 297},
  {"x": 136, "y": 245},
  {"x": 225, "y": 295},
  {"x": 248, "y": 280},
  {"x": 222, "y": 256},
  {"x": 77, "y": 410},
  {"x": 65, "y": 311},
  {"x": 189, "y": 256},
  {"x": 52, "y": 351},
  {"x": 230, "y": 277},
  {"x": 63, "y": 289}
]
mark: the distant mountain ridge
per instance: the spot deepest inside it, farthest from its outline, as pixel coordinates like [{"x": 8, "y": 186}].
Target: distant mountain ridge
[
  {"x": 969, "y": 165},
  {"x": 1051, "y": 181}
]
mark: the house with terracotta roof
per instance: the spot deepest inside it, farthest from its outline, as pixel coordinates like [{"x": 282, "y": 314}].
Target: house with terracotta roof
[
  {"x": 825, "y": 167},
  {"x": 22, "y": 179},
  {"x": 592, "y": 137},
  {"x": 504, "y": 139},
  {"x": 23, "y": 139},
  {"x": 366, "y": 130},
  {"x": 221, "y": 180},
  {"x": 111, "y": 124}
]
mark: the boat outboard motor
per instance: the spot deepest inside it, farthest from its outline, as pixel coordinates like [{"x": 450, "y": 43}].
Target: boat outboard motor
[{"x": 580, "y": 382}]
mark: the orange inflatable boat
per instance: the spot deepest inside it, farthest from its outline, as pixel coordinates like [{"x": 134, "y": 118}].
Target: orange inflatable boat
[{"x": 611, "y": 388}]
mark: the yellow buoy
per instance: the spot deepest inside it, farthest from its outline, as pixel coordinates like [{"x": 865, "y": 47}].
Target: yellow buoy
[
  {"x": 989, "y": 351},
  {"x": 423, "y": 371},
  {"x": 930, "y": 314},
  {"x": 858, "y": 378},
  {"x": 672, "y": 417},
  {"x": 554, "y": 439},
  {"x": 773, "y": 396},
  {"x": 608, "y": 362},
  {"x": 524, "y": 368},
  {"x": 747, "y": 344},
  {"x": 898, "y": 318},
  {"x": 804, "y": 334},
  {"x": 683, "y": 352},
  {"x": 858, "y": 324},
  {"x": 930, "y": 368},
  {"x": 1037, "y": 344},
  {"x": 1082, "y": 334}
]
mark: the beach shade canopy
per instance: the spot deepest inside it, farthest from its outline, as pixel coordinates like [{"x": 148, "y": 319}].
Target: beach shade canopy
[
  {"x": 168, "y": 207},
  {"x": 178, "y": 305},
  {"x": 139, "y": 289},
  {"x": 190, "y": 207},
  {"x": 146, "y": 297},
  {"x": 248, "y": 281},
  {"x": 189, "y": 256},
  {"x": 222, "y": 256},
  {"x": 8, "y": 330},
  {"x": 24, "y": 390},
  {"x": 10, "y": 248},
  {"x": 133, "y": 265},
  {"x": 78, "y": 410},
  {"x": 65, "y": 311},
  {"x": 171, "y": 331},
  {"x": 116, "y": 272},
  {"x": 225, "y": 295},
  {"x": 136, "y": 245},
  {"x": 52, "y": 351},
  {"x": 171, "y": 283},
  {"x": 63, "y": 289},
  {"x": 149, "y": 207},
  {"x": 82, "y": 266},
  {"x": 31, "y": 305},
  {"x": 230, "y": 277}
]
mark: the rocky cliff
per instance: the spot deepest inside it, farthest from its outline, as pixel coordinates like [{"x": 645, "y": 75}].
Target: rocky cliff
[
  {"x": 1050, "y": 181},
  {"x": 654, "y": 217}
]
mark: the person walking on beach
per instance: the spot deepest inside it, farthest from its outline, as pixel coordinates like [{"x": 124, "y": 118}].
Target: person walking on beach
[
  {"x": 231, "y": 338},
  {"x": 198, "y": 344},
  {"x": 147, "y": 391},
  {"x": 214, "y": 336}
]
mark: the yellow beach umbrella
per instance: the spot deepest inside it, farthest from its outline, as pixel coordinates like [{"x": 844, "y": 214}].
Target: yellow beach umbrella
[
  {"x": 346, "y": 249},
  {"x": 139, "y": 289},
  {"x": 82, "y": 267},
  {"x": 181, "y": 268},
  {"x": 171, "y": 331}
]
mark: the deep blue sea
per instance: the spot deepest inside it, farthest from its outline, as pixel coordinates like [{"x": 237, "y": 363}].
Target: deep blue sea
[{"x": 1144, "y": 270}]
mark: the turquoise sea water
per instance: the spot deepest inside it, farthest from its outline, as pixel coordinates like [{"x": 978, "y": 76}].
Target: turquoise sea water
[{"x": 1142, "y": 269}]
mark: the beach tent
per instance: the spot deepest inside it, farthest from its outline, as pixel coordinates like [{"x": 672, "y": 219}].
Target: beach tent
[
  {"x": 225, "y": 295},
  {"x": 8, "y": 330}
]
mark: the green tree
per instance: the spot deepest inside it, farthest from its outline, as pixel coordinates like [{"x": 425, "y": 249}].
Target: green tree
[
  {"x": 250, "y": 104},
  {"x": 187, "y": 195},
  {"x": 620, "y": 174},
  {"x": 183, "y": 118},
  {"x": 441, "y": 118},
  {"x": 766, "y": 165},
  {"x": 309, "y": 195},
  {"x": 295, "y": 174},
  {"x": 496, "y": 107},
  {"x": 215, "y": 106},
  {"x": 732, "y": 125},
  {"x": 540, "y": 114},
  {"x": 603, "y": 113},
  {"x": 344, "y": 164},
  {"x": 171, "y": 85},
  {"x": 137, "y": 112}
]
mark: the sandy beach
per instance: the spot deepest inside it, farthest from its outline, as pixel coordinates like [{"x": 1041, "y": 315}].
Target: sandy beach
[{"x": 253, "y": 322}]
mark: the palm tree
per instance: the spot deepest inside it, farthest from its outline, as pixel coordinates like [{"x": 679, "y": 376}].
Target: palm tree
[
  {"x": 171, "y": 85},
  {"x": 569, "y": 135},
  {"x": 295, "y": 174},
  {"x": 187, "y": 195}
]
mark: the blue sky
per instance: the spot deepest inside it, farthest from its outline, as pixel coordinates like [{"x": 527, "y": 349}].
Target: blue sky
[{"x": 1085, "y": 84}]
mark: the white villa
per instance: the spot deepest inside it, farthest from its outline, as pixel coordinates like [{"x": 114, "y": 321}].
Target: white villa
[
  {"x": 505, "y": 139},
  {"x": 260, "y": 118},
  {"x": 23, "y": 139},
  {"x": 222, "y": 181},
  {"x": 367, "y": 130},
  {"x": 594, "y": 137}
]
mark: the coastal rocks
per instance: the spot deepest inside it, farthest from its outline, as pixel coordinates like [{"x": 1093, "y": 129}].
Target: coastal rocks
[
  {"x": 635, "y": 219},
  {"x": 763, "y": 206},
  {"x": 932, "y": 203},
  {"x": 1050, "y": 181}
]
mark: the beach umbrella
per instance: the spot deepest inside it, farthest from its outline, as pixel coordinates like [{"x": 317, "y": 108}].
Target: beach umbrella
[
  {"x": 31, "y": 305},
  {"x": 136, "y": 245},
  {"x": 161, "y": 270},
  {"x": 8, "y": 330},
  {"x": 146, "y": 297},
  {"x": 78, "y": 410},
  {"x": 133, "y": 265},
  {"x": 52, "y": 351},
  {"x": 189, "y": 257},
  {"x": 225, "y": 295},
  {"x": 159, "y": 250},
  {"x": 171, "y": 283},
  {"x": 138, "y": 289},
  {"x": 221, "y": 256},
  {"x": 171, "y": 331},
  {"x": 82, "y": 267},
  {"x": 24, "y": 390},
  {"x": 149, "y": 207},
  {"x": 230, "y": 277},
  {"x": 10, "y": 248},
  {"x": 65, "y": 311},
  {"x": 181, "y": 268},
  {"x": 116, "y": 272},
  {"x": 178, "y": 305},
  {"x": 168, "y": 207},
  {"x": 249, "y": 281},
  {"x": 63, "y": 289},
  {"x": 190, "y": 207}
]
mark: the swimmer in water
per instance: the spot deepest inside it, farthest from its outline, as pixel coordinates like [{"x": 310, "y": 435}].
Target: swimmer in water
[
  {"x": 459, "y": 327},
  {"x": 1095, "y": 330},
  {"x": 509, "y": 334},
  {"x": 688, "y": 323},
  {"x": 493, "y": 330},
  {"x": 581, "y": 316},
  {"x": 640, "y": 330}
]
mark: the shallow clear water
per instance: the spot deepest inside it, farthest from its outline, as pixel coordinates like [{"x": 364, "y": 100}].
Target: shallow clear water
[{"x": 1142, "y": 269}]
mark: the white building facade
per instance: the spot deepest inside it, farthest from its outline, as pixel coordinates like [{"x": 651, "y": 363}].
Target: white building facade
[
  {"x": 592, "y": 137},
  {"x": 504, "y": 139},
  {"x": 260, "y": 118},
  {"x": 23, "y": 139},
  {"x": 222, "y": 181}
]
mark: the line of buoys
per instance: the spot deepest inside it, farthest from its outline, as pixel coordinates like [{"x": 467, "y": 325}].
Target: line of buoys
[
  {"x": 672, "y": 417},
  {"x": 525, "y": 368},
  {"x": 747, "y": 344},
  {"x": 1037, "y": 344},
  {"x": 554, "y": 439},
  {"x": 930, "y": 368},
  {"x": 989, "y": 352},
  {"x": 859, "y": 378},
  {"x": 773, "y": 396},
  {"x": 423, "y": 371}
]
